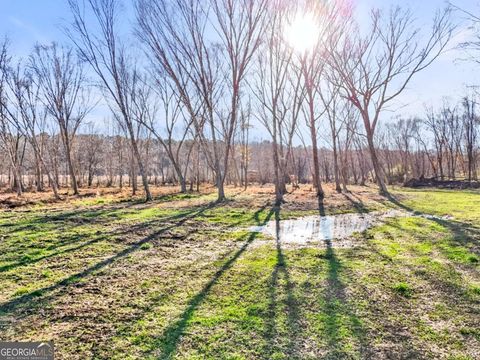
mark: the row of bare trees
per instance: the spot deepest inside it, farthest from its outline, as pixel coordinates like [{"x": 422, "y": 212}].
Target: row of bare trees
[
  {"x": 444, "y": 143},
  {"x": 406, "y": 150},
  {"x": 186, "y": 85},
  {"x": 50, "y": 84}
]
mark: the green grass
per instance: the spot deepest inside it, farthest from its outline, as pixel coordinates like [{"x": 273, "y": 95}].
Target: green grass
[
  {"x": 459, "y": 204},
  {"x": 403, "y": 289},
  {"x": 183, "y": 278}
]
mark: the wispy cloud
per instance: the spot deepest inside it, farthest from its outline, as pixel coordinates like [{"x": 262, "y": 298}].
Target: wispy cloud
[
  {"x": 463, "y": 35},
  {"x": 30, "y": 29},
  {"x": 454, "y": 50}
]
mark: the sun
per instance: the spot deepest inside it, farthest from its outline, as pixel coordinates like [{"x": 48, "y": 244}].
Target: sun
[{"x": 303, "y": 33}]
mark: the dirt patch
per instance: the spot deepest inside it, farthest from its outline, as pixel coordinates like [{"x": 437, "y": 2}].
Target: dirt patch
[
  {"x": 9, "y": 200},
  {"x": 362, "y": 198},
  {"x": 298, "y": 199}
]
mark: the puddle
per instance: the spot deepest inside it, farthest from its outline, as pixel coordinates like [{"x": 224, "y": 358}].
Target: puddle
[
  {"x": 433, "y": 217},
  {"x": 323, "y": 229}
]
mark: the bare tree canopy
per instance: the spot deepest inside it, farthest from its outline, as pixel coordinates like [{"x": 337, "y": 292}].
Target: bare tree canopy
[
  {"x": 373, "y": 69},
  {"x": 189, "y": 85}
]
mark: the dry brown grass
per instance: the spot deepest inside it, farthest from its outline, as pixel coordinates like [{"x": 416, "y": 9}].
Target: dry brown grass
[{"x": 302, "y": 198}]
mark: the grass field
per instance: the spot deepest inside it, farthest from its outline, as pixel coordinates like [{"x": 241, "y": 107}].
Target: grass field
[{"x": 182, "y": 277}]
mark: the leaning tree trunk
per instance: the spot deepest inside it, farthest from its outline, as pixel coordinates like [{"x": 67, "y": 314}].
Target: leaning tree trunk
[
  {"x": 316, "y": 166},
  {"x": 51, "y": 180},
  {"x": 181, "y": 178},
  {"x": 376, "y": 165}
]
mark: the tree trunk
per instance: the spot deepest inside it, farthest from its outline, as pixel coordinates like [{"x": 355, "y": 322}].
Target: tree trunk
[
  {"x": 51, "y": 179},
  {"x": 276, "y": 166},
  {"x": 181, "y": 178},
  {"x": 148, "y": 195},
  {"x": 376, "y": 166},
  {"x": 220, "y": 187},
  {"x": 90, "y": 177},
  {"x": 70, "y": 166},
  {"x": 183, "y": 183},
  {"x": 38, "y": 173},
  {"x": 316, "y": 166},
  {"x": 313, "y": 132},
  {"x": 338, "y": 188},
  {"x": 17, "y": 181}
]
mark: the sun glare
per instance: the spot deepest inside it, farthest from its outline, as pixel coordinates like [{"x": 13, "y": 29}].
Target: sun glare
[{"x": 302, "y": 33}]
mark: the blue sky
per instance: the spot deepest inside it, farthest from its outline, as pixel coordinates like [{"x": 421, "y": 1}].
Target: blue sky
[{"x": 29, "y": 21}]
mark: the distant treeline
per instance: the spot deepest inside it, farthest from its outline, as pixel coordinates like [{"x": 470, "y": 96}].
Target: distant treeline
[{"x": 441, "y": 146}]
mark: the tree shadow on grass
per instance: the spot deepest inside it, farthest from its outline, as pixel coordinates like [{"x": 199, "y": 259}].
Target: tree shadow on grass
[
  {"x": 341, "y": 324},
  {"x": 356, "y": 203},
  {"x": 443, "y": 279},
  {"x": 337, "y": 308},
  {"x": 449, "y": 279},
  {"x": 399, "y": 325},
  {"x": 42, "y": 296},
  {"x": 65, "y": 245},
  {"x": 464, "y": 234},
  {"x": 345, "y": 332},
  {"x": 76, "y": 217},
  {"x": 293, "y": 313},
  {"x": 321, "y": 207},
  {"x": 171, "y": 336},
  {"x": 97, "y": 214},
  {"x": 24, "y": 261}
]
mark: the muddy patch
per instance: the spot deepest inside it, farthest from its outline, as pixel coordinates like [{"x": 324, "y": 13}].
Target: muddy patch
[{"x": 332, "y": 230}]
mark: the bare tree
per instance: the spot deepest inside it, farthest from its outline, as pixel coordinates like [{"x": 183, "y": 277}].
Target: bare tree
[
  {"x": 170, "y": 124},
  {"x": 375, "y": 69},
  {"x": 453, "y": 136},
  {"x": 279, "y": 92},
  {"x": 91, "y": 152},
  {"x": 471, "y": 123},
  {"x": 438, "y": 128},
  {"x": 29, "y": 118},
  {"x": 245, "y": 118},
  {"x": 176, "y": 37},
  {"x": 240, "y": 25},
  {"x": 330, "y": 97},
  {"x": 107, "y": 57},
  {"x": 62, "y": 83},
  {"x": 401, "y": 133},
  {"x": 10, "y": 138},
  {"x": 346, "y": 135},
  {"x": 324, "y": 20}
]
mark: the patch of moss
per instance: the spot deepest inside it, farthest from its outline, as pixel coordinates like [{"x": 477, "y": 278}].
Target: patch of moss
[{"x": 403, "y": 289}]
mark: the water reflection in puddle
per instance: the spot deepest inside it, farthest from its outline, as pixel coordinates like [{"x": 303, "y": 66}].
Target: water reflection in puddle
[{"x": 323, "y": 228}]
